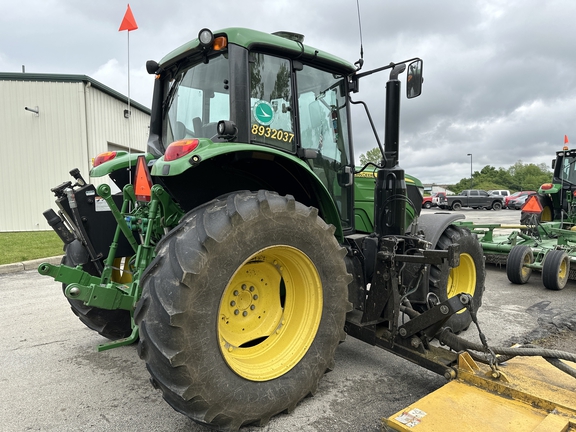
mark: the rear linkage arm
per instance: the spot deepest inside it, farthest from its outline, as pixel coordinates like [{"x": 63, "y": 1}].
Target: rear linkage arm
[
  {"x": 160, "y": 214},
  {"x": 379, "y": 323}
]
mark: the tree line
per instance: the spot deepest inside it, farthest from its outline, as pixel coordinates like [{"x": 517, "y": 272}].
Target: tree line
[{"x": 518, "y": 177}]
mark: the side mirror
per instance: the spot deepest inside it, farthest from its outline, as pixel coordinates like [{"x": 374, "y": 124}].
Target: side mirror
[
  {"x": 152, "y": 67},
  {"x": 414, "y": 79}
]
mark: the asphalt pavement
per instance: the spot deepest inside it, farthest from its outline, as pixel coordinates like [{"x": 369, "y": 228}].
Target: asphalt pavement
[{"x": 54, "y": 380}]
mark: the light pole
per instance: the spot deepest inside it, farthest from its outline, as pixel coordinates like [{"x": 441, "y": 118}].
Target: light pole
[{"x": 471, "y": 183}]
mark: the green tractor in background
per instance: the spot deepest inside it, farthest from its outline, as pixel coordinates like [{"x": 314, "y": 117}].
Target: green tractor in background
[
  {"x": 555, "y": 198},
  {"x": 245, "y": 244},
  {"x": 545, "y": 240}
]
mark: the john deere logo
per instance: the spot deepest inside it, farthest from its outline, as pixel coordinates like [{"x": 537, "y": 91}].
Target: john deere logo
[{"x": 263, "y": 113}]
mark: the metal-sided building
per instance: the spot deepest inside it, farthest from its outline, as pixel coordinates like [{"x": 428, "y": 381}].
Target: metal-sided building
[{"x": 51, "y": 123}]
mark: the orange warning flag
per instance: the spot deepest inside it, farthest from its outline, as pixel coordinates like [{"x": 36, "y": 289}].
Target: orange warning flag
[
  {"x": 532, "y": 205},
  {"x": 142, "y": 181},
  {"x": 566, "y": 139},
  {"x": 128, "y": 22}
]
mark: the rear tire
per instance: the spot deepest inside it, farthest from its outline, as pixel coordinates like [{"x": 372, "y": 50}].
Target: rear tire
[
  {"x": 518, "y": 257},
  {"x": 243, "y": 308},
  {"x": 467, "y": 278},
  {"x": 555, "y": 270},
  {"x": 496, "y": 205},
  {"x": 456, "y": 206},
  {"x": 112, "y": 324}
]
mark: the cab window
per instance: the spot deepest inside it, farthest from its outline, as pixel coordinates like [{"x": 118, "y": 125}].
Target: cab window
[
  {"x": 272, "y": 120},
  {"x": 197, "y": 98},
  {"x": 323, "y": 119}
]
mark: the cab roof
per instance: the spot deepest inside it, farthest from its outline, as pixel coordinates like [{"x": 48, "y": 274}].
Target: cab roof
[{"x": 256, "y": 40}]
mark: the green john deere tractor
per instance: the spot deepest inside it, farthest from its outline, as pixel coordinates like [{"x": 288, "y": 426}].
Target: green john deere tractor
[
  {"x": 245, "y": 244},
  {"x": 546, "y": 239}
]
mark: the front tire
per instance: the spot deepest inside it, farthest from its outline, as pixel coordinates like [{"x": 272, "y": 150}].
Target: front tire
[
  {"x": 243, "y": 308},
  {"x": 555, "y": 270},
  {"x": 518, "y": 258},
  {"x": 468, "y": 277}
]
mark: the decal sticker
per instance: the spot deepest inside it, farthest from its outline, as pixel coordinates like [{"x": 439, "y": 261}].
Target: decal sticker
[
  {"x": 100, "y": 204},
  {"x": 275, "y": 134},
  {"x": 263, "y": 112}
]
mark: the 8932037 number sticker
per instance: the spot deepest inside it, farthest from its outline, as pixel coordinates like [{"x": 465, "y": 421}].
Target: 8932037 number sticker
[{"x": 268, "y": 132}]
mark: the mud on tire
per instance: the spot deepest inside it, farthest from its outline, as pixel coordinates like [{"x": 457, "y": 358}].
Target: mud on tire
[{"x": 227, "y": 302}]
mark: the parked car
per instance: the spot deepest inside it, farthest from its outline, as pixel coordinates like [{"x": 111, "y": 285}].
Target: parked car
[
  {"x": 473, "y": 198},
  {"x": 432, "y": 200},
  {"x": 518, "y": 202},
  {"x": 501, "y": 192},
  {"x": 516, "y": 195}
]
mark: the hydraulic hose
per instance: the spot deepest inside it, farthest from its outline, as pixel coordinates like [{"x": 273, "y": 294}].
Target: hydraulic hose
[{"x": 554, "y": 357}]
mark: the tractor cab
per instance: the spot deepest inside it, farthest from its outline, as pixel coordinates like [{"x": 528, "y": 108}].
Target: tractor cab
[
  {"x": 560, "y": 192},
  {"x": 288, "y": 103},
  {"x": 263, "y": 109}
]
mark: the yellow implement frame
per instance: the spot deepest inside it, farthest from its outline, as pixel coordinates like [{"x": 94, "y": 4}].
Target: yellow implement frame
[{"x": 524, "y": 394}]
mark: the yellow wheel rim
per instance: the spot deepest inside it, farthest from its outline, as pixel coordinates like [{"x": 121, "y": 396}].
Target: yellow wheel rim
[
  {"x": 526, "y": 271},
  {"x": 269, "y": 313},
  {"x": 121, "y": 270},
  {"x": 563, "y": 270},
  {"x": 546, "y": 215},
  {"x": 462, "y": 279}
]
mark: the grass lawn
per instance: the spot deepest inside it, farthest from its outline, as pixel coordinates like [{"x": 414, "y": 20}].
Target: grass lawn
[{"x": 24, "y": 246}]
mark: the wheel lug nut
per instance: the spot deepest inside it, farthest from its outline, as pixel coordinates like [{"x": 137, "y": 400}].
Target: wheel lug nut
[
  {"x": 236, "y": 312},
  {"x": 232, "y": 303},
  {"x": 251, "y": 288},
  {"x": 255, "y": 297},
  {"x": 236, "y": 293},
  {"x": 244, "y": 313},
  {"x": 252, "y": 307},
  {"x": 243, "y": 286}
]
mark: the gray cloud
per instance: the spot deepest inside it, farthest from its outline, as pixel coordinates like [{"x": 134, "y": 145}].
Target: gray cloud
[{"x": 499, "y": 80}]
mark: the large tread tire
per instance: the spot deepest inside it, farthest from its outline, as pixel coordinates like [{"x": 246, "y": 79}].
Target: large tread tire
[
  {"x": 555, "y": 270},
  {"x": 112, "y": 324},
  {"x": 185, "y": 320},
  {"x": 516, "y": 269},
  {"x": 468, "y": 277}
]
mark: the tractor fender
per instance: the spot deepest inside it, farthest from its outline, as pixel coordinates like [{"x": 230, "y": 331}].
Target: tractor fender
[
  {"x": 186, "y": 177},
  {"x": 433, "y": 225}
]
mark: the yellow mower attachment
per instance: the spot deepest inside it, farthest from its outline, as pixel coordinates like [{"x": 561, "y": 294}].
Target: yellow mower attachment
[{"x": 523, "y": 394}]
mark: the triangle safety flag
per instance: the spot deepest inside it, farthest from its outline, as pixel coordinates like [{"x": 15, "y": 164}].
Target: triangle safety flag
[
  {"x": 128, "y": 22},
  {"x": 142, "y": 181},
  {"x": 566, "y": 139},
  {"x": 532, "y": 205}
]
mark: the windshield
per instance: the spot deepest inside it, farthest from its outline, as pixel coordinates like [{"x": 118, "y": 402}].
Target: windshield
[
  {"x": 197, "y": 98},
  {"x": 568, "y": 170}
]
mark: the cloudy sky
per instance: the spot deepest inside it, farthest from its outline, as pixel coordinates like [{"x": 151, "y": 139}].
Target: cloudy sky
[{"x": 499, "y": 75}]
